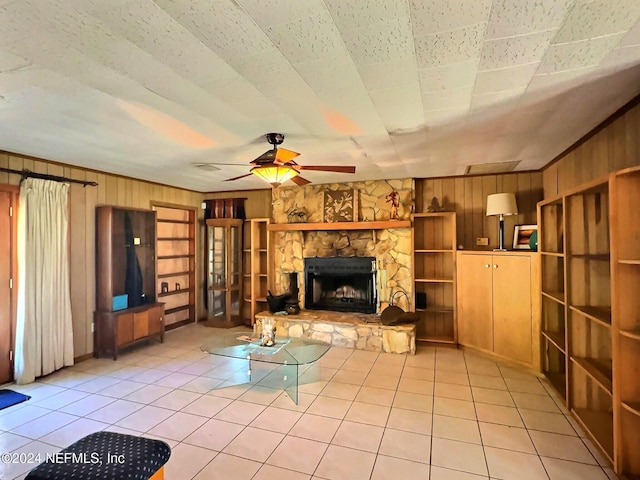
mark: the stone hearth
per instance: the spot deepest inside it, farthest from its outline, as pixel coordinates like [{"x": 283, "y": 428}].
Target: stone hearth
[{"x": 346, "y": 330}]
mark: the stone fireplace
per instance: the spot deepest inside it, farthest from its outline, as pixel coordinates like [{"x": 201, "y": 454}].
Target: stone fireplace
[
  {"x": 340, "y": 284},
  {"x": 390, "y": 247}
]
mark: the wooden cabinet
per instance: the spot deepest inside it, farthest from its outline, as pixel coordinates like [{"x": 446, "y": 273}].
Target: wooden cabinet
[
  {"x": 224, "y": 272},
  {"x": 126, "y": 307},
  {"x": 176, "y": 249},
  {"x": 434, "y": 267},
  {"x": 256, "y": 267},
  {"x": 115, "y": 330},
  {"x": 498, "y": 305}
]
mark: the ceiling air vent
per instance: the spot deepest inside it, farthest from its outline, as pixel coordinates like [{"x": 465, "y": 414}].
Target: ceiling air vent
[
  {"x": 487, "y": 168},
  {"x": 210, "y": 167}
]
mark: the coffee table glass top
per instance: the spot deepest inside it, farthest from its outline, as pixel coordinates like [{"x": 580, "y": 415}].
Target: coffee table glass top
[{"x": 286, "y": 351}]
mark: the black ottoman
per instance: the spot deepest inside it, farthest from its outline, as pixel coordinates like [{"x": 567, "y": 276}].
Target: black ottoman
[{"x": 106, "y": 455}]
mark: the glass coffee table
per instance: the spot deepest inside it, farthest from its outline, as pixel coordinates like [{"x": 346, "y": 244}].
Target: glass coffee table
[{"x": 283, "y": 361}]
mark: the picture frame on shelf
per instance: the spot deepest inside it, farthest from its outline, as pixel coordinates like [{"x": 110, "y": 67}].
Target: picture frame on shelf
[
  {"x": 522, "y": 235},
  {"x": 340, "y": 206}
]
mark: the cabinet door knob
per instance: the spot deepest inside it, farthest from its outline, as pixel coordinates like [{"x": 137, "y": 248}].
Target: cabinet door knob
[
  {"x": 495, "y": 266},
  {"x": 487, "y": 265}
]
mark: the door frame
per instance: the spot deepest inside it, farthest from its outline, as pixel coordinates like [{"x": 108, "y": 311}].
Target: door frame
[{"x": 14, "y": 191}]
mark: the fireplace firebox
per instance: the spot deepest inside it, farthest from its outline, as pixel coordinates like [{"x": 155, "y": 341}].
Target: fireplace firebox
[{"x": 342, "y": 284}]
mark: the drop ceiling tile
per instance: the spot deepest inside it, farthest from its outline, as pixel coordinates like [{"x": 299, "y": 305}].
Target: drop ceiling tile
[
  {"x": 432, "y": 17},
  {"x": 506, "y": 52},
  {"x": 18, "y": 20},
  {"x": 377, "y": 76},
  {"x": 400, "y": 117},
  {"x": 9, "y": 61},
  {"x": 449, "y": 47},
  {"x": 598, "y": 18},
  {"x": 449, "y": 77},
  {"x": 517, "y": 77},
  {"x": 222, "y": 25},
  {"x": 448, "y": 115},
  {"x": 621, "y": 57},
  {"x": 329, "y": 75},
  {"x": 496, "y": 98},
  {"x": 559, "y": 81},
  {"x": 380, "y": 43},
  {"x": 574, "y": 55},
  {"x": 354, "y": 15},
  {"x": 399, "y": 96},
  {"x": 267, "y": 13},
  {"x": 632, "y": 37},
  {"x": 515, "y": 17},
  {"x": 446, "y": 99},
  {"x": 245, "y": 98},
  {"x": 308, "y": 39}
]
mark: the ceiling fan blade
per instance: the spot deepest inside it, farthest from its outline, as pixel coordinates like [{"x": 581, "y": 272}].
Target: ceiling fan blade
[
  {"x": 237, "y": 178},
  {"x": 298, "y": 180},
  {"x": 283, "y": 155},
  {"x": 328, "y": 168}
]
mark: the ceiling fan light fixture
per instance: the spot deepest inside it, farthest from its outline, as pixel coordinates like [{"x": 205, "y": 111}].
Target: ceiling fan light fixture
[{"x": 275, "y": 174}]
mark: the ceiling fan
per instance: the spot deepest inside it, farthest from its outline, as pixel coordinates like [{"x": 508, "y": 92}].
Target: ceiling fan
[{"x": 277, "y": 166}]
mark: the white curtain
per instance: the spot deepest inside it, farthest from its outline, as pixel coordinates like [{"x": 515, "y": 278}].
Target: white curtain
[{"x": 44, "y": 335}]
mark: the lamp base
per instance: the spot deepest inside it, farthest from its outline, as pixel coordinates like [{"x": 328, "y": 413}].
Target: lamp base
[{"x": 500, "y": 250}]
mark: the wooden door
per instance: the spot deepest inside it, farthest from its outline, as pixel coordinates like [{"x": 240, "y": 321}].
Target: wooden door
[
  {"x": 124, "y": 329},
  {"x": 140, "y": 324},
  {"x": 8, "y": 288},
  {"x": 512, "y": 306},
  {"x": 475, "y": 326},
  {"x": 155, "y": 320}
]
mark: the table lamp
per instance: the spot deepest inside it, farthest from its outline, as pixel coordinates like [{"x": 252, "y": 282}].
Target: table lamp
[{"x": 501, "y": 204}]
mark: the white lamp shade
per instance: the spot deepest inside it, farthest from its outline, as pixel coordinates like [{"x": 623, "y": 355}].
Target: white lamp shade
[{"x": 502, "y": 204}]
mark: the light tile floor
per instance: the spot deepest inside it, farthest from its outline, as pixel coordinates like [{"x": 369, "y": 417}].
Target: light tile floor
[{"x": 442, "y": 414}]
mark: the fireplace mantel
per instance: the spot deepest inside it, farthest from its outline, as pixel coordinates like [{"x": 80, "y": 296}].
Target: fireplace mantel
[{"x": 376, "y": 225}]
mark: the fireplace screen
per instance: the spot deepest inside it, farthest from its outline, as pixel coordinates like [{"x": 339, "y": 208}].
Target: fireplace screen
[{"x": 340, "y": 284}]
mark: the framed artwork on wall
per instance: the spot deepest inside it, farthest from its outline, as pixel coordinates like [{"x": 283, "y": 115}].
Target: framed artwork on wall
[
  {"x": 340, "y": 206},
  {"x": 521, "y": 236}
]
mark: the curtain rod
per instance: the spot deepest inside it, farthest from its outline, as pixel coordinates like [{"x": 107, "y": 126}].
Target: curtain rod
[{"x": 24, "y": 173}]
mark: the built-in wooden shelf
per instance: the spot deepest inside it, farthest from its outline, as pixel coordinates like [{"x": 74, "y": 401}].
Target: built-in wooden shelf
[
  {"x": 555, "y": 296},
  {"x": 628, "y": 261},
  {"x": 437, "y": 339},
  {"x": 556, "y": 338},
  {"x": 599, "y": 426},
  {"x": 170, "y": 257},
  {"x": 599, "y": 370},
  {"x": 591, "y": 256},
  {"x": 433, "y": 280},
  {"x": 173, "y": 274},
  {"x": 436, "y": 309},
  {"x": 432, "y": 251},
  {"x": 602, "y": 315},
  {"x": 377, "y": 225},
  {"x": 553, "y": 254},
  {"x": 174, "y": 292},
  {"x": 177, "y": 309},
  {"x": 559, "y": 382},
  {"x": 635, "y": 334},
  {"x": 633, "y": 407},
  {"x": 174, "y": 239},
  {"x": 183, "y": 222}
]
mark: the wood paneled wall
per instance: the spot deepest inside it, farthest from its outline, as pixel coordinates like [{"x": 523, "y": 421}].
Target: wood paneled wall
[
  {"x": 467, "y": 196},
  {"x": 612, "y": 146},
  {"x": 111, "y": 190}
]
